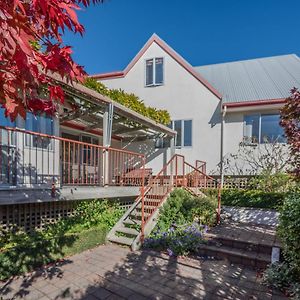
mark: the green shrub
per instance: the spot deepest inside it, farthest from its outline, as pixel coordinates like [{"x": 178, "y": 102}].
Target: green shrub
[
  {"x": 278, "y": 182},
  {"x": 289, "y": 229},
  {"x": 182, "y": 208},
  {"x": 286, "y": 275},
  {"x": 279, "y": 275},
  {"x": 252, "y": 198},
  {"x": 95, "y": 212},
  {"x": 294, "y": 291}
]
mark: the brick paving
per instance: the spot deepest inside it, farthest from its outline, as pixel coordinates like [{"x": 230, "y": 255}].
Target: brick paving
[{"x": 114, "y": 272}]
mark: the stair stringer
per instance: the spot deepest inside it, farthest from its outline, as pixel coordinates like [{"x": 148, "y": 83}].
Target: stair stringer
[
  {"x": 113, "y": 231},
  {"x": 149, "y": 226}
]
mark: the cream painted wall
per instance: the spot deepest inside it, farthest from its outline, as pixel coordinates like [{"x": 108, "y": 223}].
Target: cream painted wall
[{"x": 185, "y": 98}]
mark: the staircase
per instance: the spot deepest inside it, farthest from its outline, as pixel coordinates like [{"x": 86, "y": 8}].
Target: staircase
[
  {"x": 140, "y": 219},
  {"x": 246, "y": 244}
]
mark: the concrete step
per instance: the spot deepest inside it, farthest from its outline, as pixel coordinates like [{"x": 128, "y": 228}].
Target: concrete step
[
  {"x": 154, "y": 196},
  {"x": 148, "y": 210},
  {"x": 138, "y": 214},
  {"x": 146, "y": 206},
  {"x": 129, "y": 221},
  {"x": 259, "y": 247},
  {"x": 196, "y": 191},
  {"x": 127, "y": 231},
  {"x": 121, "y": 240},
  {"x": 236, "y": 256}
]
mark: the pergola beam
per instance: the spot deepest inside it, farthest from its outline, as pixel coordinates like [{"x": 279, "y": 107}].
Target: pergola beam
[{"x": 128, "y": 130}]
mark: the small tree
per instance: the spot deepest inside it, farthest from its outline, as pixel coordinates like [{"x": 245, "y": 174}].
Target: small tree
[
  {"x": 290, "y": 121},
  {"x": 267, "y": 163},
  {"x": 268, "y": 158},
  {"x": 31, "y": 45}
]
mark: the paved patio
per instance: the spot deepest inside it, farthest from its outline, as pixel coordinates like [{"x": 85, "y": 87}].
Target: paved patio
[{"x": 113, "y": 272}]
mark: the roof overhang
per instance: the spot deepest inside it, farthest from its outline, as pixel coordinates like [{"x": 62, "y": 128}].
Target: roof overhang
[
  {"x": 162, "y": 44},
  {"x": 254, "y": 105},
  {"x": 127, "y": 124}
]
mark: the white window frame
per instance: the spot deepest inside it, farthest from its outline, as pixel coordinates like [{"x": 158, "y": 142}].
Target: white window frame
[
  {"x": 259, "y": 127},
  {"x": 183, "y": 132},
  {"x": 153, "y": 84},
  {"x": 29, "y": 139}
]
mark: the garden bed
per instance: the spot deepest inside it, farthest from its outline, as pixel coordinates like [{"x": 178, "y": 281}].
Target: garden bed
[
  {"x": 22, "y": 252},
  {"x": 183, "y": 219}
]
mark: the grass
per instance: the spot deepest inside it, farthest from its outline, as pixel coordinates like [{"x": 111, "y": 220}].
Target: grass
[{"x": 84, "y": 240}]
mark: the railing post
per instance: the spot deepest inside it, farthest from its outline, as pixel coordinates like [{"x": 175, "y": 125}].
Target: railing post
[
  {"x": 176, "y": 169},
  {"x": 183, "y": 172},
  {"x": 219, "y": 204},
  {"x": 143, "y": 199},
  {"x": 107, "y": 131}
]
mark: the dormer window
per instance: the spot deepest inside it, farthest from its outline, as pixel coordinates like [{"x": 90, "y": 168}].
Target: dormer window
[{"x": 154, "y": 71}]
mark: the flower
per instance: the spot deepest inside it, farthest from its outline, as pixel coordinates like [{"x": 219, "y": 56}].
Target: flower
[{"x": 170, "y": 252}]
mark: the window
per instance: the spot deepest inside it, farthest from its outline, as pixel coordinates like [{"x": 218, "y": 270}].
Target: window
[
  {"x": 40, "y": 124},
  {"x": 87, "y": 151},
  {"x": 178, "y": 127},
  {"x": 184, "y": 134},
  {"x": 260, "y": 129},
  {"x": 154, "y": 71},
  {"x": 6, "y": 136}
]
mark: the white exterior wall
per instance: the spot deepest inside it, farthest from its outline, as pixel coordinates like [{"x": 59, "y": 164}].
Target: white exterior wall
[{"x": 185, "y": 98}]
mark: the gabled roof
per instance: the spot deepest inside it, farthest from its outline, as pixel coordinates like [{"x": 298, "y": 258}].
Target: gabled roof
[
  {"x": 156, "y": 39},
  {"x": 255, "y": 81}
]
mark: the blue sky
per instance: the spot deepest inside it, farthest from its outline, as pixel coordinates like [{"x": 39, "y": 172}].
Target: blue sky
[{"x": 203, "y": 32}]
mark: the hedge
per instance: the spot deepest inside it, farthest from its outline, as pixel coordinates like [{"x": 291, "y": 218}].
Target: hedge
[
  {"x": 249, "y": 198},
  {"x": 252, "y": 198}
]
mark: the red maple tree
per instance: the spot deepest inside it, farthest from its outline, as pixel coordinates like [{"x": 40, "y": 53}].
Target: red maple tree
[
  {"x": 290, "y": 121},
  {"x": 30, "y": 46}
]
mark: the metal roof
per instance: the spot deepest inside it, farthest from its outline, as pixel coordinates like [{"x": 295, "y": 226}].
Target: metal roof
[{"x": 254, "y": 79}]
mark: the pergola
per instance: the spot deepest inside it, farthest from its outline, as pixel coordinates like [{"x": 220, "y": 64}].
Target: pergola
[{"x": 93, "y": 111}]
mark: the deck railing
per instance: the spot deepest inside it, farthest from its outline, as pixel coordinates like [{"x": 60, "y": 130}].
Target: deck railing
[{"x": 33, "y": 158}]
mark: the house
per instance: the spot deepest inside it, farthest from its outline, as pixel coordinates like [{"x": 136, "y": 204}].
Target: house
[
  {"x": 49, "y": 162},
  {"x": 214, "y": 108}
]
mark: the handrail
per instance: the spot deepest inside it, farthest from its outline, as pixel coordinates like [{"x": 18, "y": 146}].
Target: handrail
[
  {"x": 68, "y": 140},
  {"x": 197, "y": 170}
]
